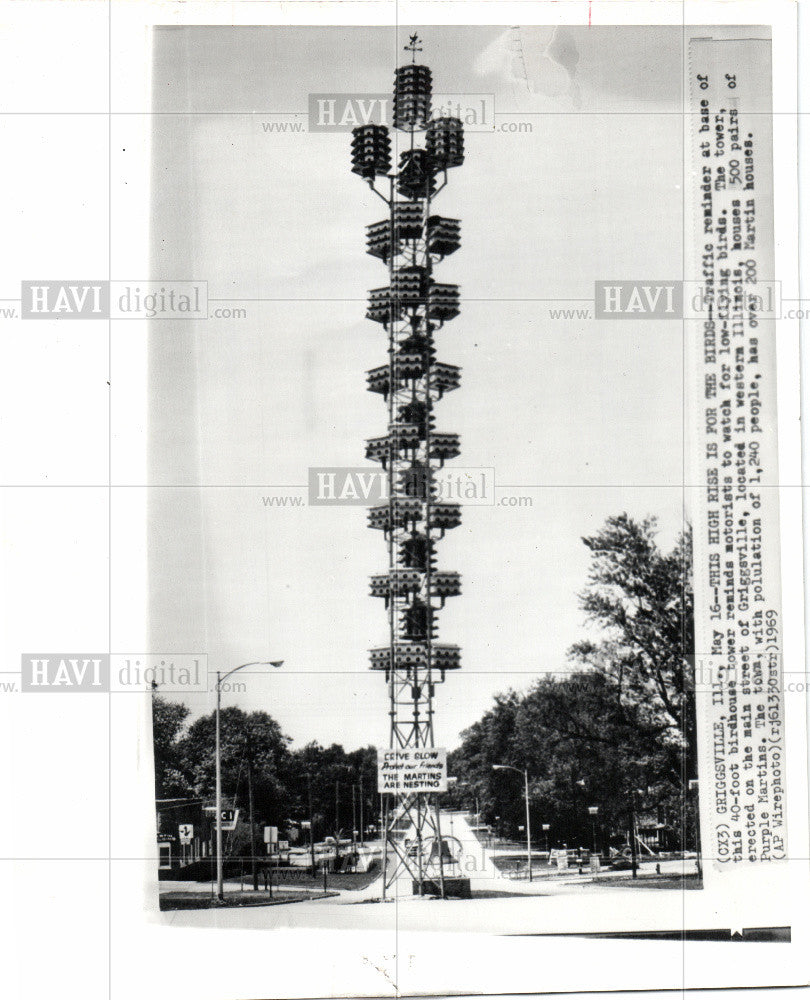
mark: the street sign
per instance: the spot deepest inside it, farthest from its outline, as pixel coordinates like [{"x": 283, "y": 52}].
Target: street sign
[
  {"x": 186, "y": 833},
  {"x": 417, "y": 770},
  {"x": 229, "y": 818},
  {"x": 284, "y": 845},
  {"x": 271, "y": 835}
]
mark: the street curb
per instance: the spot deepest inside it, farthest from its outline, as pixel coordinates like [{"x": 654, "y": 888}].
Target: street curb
[{"x": 244, "y": 906}]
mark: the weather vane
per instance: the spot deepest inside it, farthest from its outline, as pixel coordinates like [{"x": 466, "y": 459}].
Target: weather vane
[{"x": 413, "y": 46}]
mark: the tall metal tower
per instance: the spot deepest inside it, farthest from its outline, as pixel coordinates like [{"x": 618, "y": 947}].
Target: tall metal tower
[{"x": 412, "y": 308}]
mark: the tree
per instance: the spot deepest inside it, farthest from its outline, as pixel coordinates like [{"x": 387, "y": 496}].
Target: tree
[
  {"x": 586, "y": 749},
  {"x": 321, "y": 769},
  {"x": 572, "y": 737},
  {"x": 248, "y": 741},
  {"x": 168, "y": 722},
  {"x": 622, "y": 721},
  {"x": 488, "y": 741},
  {"x": 642, "y": 599}
]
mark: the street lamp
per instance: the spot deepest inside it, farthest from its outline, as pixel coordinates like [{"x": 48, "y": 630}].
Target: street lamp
[
  {"x": 525, "y": 773},
  {"x": 634, "y": 837},
  {"x": 633, "y": 845},
  {"x": 593, "y": 811},
  {"x": 578, "y": 802},
  {"x": 639, "y": 767},
  {"x": 362, "y": 820},
  {"x": 693, "y": 789},
  {"x": 220, "y": 679},
  {"x": 311, "y": 824}
]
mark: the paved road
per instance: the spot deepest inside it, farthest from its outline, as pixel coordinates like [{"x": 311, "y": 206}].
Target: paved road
[
  {"x": 549, "y": 908},
  {"x": 500, "y": 905}
]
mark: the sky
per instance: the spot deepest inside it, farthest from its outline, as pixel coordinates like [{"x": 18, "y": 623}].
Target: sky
[{"x": 583, "y": 417}]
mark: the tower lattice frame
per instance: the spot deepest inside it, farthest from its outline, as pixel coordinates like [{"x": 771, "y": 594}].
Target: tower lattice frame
[{"x": 412, "y": 309}]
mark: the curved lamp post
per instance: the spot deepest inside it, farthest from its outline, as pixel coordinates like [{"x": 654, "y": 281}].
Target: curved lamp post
[
  {"x": 220, "y": 678},
  {"x": 525, "y": 773}
]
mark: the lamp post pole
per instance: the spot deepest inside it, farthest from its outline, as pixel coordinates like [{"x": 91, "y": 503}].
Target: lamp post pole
[
  {"x": 578, "y": 802},
  {"x": 525, "y": 773},
  {"x": 594, "y": 812},
  {"x": 254, "y": 871},
  {"x": 362, "y": 820},
  {"x": 354, "y": 827},
  {"x": 337, "y": 824},
  {"x": 218, "y": 807},
  {"x": 693, "y": 788},
  {"x": 633, "y": 851},
  {"x": 528, "y": 824},
  {"x": 639, "y": 767},
  {"x": 218, "y": 764},
  {"x": 311, "y": 824}
]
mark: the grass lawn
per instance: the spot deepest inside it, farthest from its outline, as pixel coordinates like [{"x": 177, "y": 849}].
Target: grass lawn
[
  {"x": 509, "y": 862},
  {"x": 671, "y": 880},
  {"x": 334, "y": 880},
  {"x": 203, "y": 900}
]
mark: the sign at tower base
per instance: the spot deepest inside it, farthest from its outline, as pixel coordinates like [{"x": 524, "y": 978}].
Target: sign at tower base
[{"x": 415, "y": 770}]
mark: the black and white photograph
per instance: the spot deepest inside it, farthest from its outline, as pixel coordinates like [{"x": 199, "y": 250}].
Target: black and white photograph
[
  {"x": 492, "y": 695},
  {"x": 439, "y": 385},
  {"x": 510, "y": 648}
]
